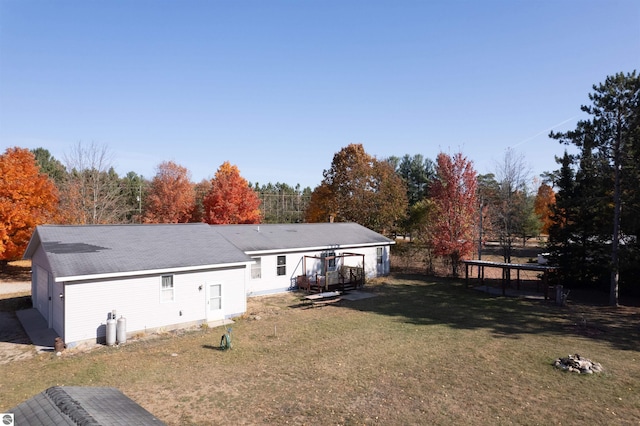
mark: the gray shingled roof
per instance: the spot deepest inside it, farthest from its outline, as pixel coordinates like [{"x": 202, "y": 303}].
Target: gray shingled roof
[
  {"x": 77, "y": 405},
  {"x": 113, "y": 249},
  {"x": 284, "y": 237}
]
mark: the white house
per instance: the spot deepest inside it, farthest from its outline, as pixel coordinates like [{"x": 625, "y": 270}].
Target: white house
[
  {"x": 168, "y": 276},
  {"x": 156, "y": 276},
  {"x": 283, "y": 252}
]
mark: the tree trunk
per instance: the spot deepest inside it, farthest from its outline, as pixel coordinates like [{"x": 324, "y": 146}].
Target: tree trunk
[{"x": 617, "y": 206}]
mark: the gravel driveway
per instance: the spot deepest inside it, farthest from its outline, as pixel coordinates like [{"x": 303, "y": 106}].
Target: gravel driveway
[{"x": 8, "y": 287}]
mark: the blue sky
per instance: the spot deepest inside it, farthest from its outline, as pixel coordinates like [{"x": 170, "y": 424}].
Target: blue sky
[{"x": 278, "y": 87}]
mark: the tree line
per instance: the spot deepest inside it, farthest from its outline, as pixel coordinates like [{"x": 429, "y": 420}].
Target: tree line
[
  {"x": 588, "y": 207},
  {"x": 595, "y": 220},
  {"x": 411, "y": 196}
]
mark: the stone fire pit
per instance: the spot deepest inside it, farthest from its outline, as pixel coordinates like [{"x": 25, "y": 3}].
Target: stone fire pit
[{"x": 577, "y": 364}]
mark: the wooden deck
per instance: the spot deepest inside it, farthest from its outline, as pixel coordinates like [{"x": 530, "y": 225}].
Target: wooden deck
[{"x": 342, "y": 280}]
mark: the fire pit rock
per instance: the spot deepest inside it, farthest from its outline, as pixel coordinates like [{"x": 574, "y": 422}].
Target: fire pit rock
[{"x": 577, "y": 364}]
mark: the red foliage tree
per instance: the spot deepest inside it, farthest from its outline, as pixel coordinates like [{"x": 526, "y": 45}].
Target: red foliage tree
[
  {"x": 27, "y": 199},
  {"x": 454, "y": 193},
  {"x": 231, "y": 199},
  {"x": 171, "y": 196}
]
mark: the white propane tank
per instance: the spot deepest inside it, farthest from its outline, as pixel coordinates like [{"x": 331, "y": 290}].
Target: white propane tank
[
  {"x": 111, "y": 329},
  {"x": 121, "y": 330}
]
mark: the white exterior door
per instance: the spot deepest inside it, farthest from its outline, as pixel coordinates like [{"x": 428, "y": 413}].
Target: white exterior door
[
  {"x": 214, "y": 302},
  {"x": 380, "y": 261}
]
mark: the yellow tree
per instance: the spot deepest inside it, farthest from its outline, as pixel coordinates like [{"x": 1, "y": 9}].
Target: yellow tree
[
  {"x": 27, "y": 199},
  {"x": 231, "y": 199},
  {"x": 171, "y": 196}
]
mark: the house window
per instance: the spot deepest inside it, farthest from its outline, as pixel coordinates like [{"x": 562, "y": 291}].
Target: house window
[
  {"x": 328, "y": 261},
  {"x": 166, "y": 290},
  {"x": 282, "y": 265},
  {"x": 332, "y": 259},
  {"x": 256, "y": 268},
  {"x": 379, "y": 255},
  {"x": 215, "y": 297}
]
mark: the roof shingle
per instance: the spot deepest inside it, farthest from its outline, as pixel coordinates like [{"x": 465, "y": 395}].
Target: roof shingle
[
  {"x": 299, "y": 236},
  {"x": 111, "y": 249},
  {"x": 78, "y": 405}
]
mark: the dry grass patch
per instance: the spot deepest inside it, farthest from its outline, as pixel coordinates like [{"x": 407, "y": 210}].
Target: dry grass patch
[{"x": 422, "y": 351}]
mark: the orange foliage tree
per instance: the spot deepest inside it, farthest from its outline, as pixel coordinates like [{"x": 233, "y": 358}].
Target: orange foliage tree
[
  {"x": 27, "y": 199},
  {"x": 359, "y": 188},
  {"x": 543, "y": 205},
  {"x": 454, "y": 194},
  {"x": 322, "y": 205},
  {"x": 231, "y": 199},
  {"x": 171, "y": 197}
]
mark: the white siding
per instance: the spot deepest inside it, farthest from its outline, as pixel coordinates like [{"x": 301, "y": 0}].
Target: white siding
[
  {"x": 270, "y": 282},
  {"x": 88, "y": 304},
  {"x": 57, "y": 307},
  {"x": 39, "y": 283},
  {"x": 40, "y": 297}
]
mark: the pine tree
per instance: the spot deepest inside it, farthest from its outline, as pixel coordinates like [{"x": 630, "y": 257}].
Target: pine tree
[{"x": 609, "y": 141}]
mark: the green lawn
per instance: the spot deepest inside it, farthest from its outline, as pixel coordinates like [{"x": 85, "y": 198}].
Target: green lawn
[{"x": 424, "y": 351}]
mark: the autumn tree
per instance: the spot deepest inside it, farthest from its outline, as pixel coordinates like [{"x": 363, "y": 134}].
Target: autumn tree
[
  {"x": 231, "y": 199},
  {"x": 545, "y": 199},
  {"x": 454, "y": 194},
  {"x": 170, "y": 196},
  {"x": 27, "y": 198},
  {"x": 92, "y": 192},
  {"x": 322, "y": 205},
  {"x": 359, "y": 188}
]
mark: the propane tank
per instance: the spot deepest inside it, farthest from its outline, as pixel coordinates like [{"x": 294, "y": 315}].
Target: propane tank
[
  {"x": 111, "y": 329},
  {"x": 121, "y": 330}
]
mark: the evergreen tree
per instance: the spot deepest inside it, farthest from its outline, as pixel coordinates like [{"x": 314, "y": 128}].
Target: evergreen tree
[{"x": 609, "y": 143}]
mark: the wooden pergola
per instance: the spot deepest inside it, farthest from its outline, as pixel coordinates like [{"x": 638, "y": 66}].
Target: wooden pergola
[{"x": 506, "y": 272}]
